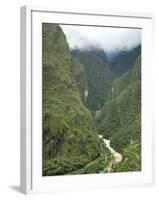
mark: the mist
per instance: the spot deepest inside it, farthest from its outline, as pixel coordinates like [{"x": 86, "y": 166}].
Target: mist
[{"x": 110, "y": 39}]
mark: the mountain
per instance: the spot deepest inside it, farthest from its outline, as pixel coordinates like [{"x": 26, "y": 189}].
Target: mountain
[
  {"x": 84, "y": 100},
  {"x": 70, "y": 140},
  {"x": 100, "y": 53},
  {"x": 120, "y": 117},
  {"x": 121, "y": 62},
  {"x": 98, "y": 75},
  {"x": 134, "y": 74},
  {"x": 79, "y": 75}
]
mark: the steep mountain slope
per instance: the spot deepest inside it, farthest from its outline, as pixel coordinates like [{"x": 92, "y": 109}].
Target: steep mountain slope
[
  {"x": 120, "y": 62},
  {"x": 78, "y": 73},
  {"x": 134, "y": 74},
  {"x": 70, "y": 140},
  {"x": 120, "y": 118},
  {"x": 98, "y": 75},
  {"x": 100, "y": 53}
]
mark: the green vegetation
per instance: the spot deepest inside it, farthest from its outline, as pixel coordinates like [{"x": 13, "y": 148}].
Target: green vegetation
[
  {"x": 80, "y": 78},
  {"x": 124, "y": 60},
  {"x": 63, "y": 165},
  {"x": 68, "y": 129},
  {"x": 131, "y": 158},
  {"x": 81, "y": 99},
  {"x": 122, "y": 82},
  {"x": 99, "y": 78},
  {"x": 120, "y": 117}
]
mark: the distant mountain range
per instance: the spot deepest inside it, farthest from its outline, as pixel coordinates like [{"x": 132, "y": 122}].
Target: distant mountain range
[
  {"x": 121, "y": 61},
  {"x": 101, "y": 69}
]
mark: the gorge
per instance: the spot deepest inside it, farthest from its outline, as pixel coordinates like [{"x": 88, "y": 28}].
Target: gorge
[{"x": 87, "y": 105}]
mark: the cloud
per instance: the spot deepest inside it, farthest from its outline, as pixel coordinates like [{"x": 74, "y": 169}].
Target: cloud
[{"x": 107, "y": 38}]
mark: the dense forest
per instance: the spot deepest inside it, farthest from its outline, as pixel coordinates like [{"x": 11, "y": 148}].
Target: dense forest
[{"x": 91, "y": 108}]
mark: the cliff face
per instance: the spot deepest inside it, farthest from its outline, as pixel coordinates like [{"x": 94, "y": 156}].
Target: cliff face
[{"x": 70, "y": 140}]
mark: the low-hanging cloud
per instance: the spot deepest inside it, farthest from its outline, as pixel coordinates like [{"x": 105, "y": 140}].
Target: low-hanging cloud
[{"x": 107, "y": 38}]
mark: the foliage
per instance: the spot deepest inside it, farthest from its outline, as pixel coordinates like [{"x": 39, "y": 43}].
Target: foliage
[
  {"x": 122, "y": 82},
  {"x": 69, "y": 135},
  {"x": 80, "y": 78},
  {"x": 130, "y": 132},
  {"x": 120, "y": 117},
  {"x": 99, "y": 78},
  {"x": 124, "y": 60},
  {"x": 131, "y": 158},
  {"x": 63, "y": 165}
]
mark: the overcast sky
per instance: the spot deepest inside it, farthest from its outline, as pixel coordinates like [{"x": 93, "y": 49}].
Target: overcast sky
[{"x": 108, "y": 38}]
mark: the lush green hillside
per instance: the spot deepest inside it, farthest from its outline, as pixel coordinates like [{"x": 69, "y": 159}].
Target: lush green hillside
[
  {"x": 98, "y": 75},
  {"x": 79, "y": 75},
  {"x": 120, "y": 118},
  {"x": 70, "y": 140},
  {"x": 121, "y": 83},
  {"x": 100, "y": 53},
  {"x": 131, "y": 158},
  {"x": 77, "y": 84}
]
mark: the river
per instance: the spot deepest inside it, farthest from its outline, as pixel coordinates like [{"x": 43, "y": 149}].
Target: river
[{"x": 116, "y": 156}]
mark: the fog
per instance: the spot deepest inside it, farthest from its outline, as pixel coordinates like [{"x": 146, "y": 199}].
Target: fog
[{"x": 108, "y": 38}]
